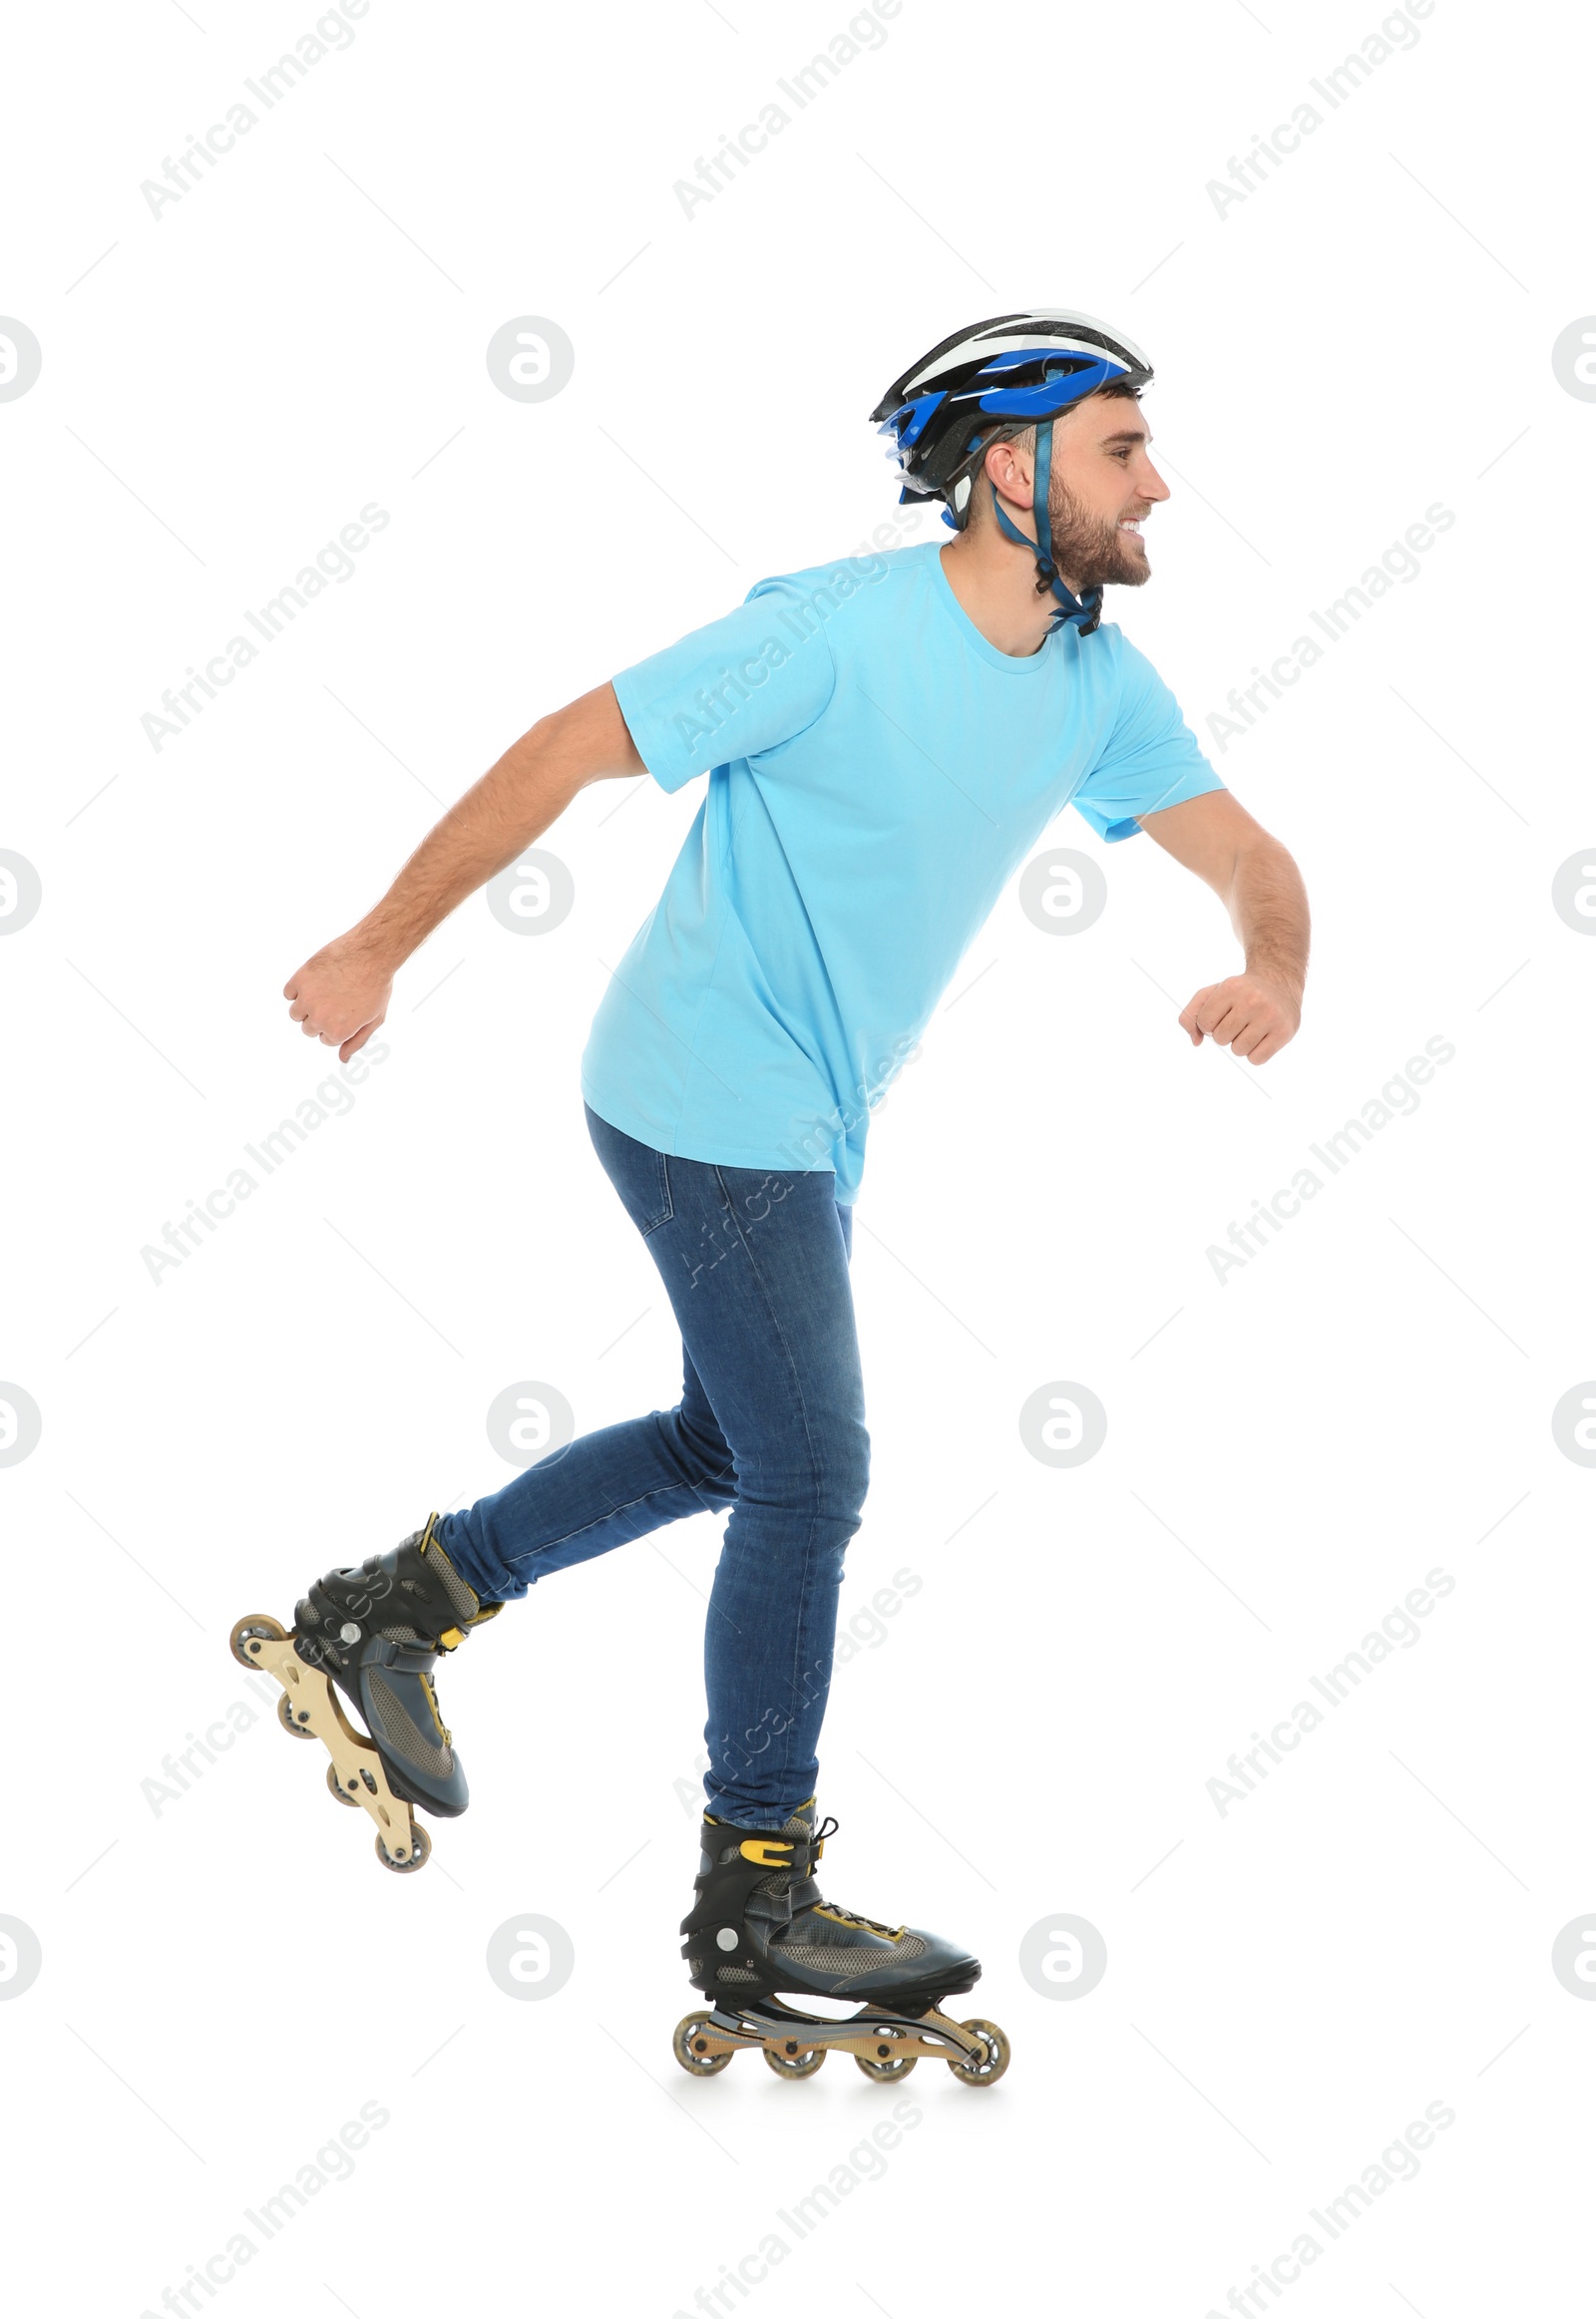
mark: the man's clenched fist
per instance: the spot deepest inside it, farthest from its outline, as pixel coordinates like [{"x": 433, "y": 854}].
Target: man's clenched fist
[
  {"x": 1246, "y": 1012},
  {"x": 340, "y": 996}
]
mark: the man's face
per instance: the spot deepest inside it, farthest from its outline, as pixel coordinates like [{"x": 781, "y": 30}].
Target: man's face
[{"x": 1102, "y": 484}]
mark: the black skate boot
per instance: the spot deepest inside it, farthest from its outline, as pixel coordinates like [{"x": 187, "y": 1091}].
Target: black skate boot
[
  {"x": 759, "y": 1927},
  {"x": 376, "y": 1633}
]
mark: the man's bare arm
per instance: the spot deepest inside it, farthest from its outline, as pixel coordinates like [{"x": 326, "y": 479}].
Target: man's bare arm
[
  {"x": 1254, "y": 1014},
  {"x": 341, "y": 995}
]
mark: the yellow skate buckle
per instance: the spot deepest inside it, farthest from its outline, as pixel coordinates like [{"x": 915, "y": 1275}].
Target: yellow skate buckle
[{"x": 766, "y": 1851}]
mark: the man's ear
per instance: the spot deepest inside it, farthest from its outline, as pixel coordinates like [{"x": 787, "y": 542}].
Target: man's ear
[{"x": 1009, "y": 467}]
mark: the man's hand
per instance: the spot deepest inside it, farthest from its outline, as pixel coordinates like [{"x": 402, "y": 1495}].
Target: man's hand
[
  {"x": 1254, "y": 1014},
  {"x": 1248, "y": 1013},
  {"x": 341, "y": 995}
]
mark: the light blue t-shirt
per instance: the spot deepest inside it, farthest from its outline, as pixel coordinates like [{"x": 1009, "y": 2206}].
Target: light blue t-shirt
[{"x": 877, "y": 772}]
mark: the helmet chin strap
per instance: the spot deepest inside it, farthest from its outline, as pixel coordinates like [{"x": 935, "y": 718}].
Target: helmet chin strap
[{"x": 1087, "y": 610}]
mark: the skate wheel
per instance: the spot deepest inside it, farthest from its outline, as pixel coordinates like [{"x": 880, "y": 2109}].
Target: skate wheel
[
  {"x": 266, "y": 1629},
  {"x": 883, "y": 2066},
  {"x": 803, "y": 2064},
  {"x": 341, "y": 1795},
  {"x": 696, "y": 2065},
  {"x": 987, "y": 2072},
  {"x": 420, "y": 1852},
  {"x": 290, "y": 1721}
]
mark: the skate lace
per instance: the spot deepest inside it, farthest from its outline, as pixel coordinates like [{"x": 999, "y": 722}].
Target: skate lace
[
  {"x": 852, "y": 1916},
  {"x": 828, "y": 1827}
]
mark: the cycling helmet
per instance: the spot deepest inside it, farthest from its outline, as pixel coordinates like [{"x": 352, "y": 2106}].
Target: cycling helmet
[{"x": 1018, "y": 370}]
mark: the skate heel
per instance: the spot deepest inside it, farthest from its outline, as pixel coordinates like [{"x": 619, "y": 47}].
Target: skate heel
[{"x": 310, "y": 1708}]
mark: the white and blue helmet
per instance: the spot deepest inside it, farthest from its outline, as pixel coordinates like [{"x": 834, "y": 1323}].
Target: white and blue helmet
[{"x": 1017, "y": 370}]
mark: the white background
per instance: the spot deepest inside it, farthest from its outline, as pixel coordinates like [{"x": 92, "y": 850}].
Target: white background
[{"x": 227, "y": 1979}]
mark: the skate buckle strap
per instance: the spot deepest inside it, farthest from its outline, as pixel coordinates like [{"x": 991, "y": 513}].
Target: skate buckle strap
[
  {"x": 767, "y": 1851},
  {"x": 403, "y": 1658}
]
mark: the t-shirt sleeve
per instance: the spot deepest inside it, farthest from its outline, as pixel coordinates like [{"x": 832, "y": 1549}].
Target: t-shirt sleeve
[
  {"x": 742, "y": 684},
  {"x": 1151, "y": 759}
]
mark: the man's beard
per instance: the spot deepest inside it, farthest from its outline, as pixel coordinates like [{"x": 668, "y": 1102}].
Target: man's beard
[{"x": 1090, "y": 551}]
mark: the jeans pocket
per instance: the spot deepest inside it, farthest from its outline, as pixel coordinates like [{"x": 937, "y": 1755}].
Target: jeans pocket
[
  {"x": 640, "y": 1174},
  {"x": 651, "y": 1191}
]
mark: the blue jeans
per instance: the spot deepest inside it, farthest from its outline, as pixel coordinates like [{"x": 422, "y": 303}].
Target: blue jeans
[{"x": 771, "y": 1422}]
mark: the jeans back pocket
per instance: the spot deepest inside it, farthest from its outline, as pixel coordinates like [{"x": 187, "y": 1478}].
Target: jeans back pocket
[{"x": 640, "y": 1174}]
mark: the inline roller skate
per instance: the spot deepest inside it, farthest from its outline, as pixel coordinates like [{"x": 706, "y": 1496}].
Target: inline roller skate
[
  {"x": 375, "y": 1635},
  {"x": 759, "y": 1927}
]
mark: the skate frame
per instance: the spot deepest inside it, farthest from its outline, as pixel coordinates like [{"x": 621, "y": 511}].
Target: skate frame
[
  {"x": 357, "y": 1767},
  {"x": 928, "y": 2035}
]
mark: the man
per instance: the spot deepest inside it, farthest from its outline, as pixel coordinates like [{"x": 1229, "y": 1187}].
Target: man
[{"x": 885, "y": 741}]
